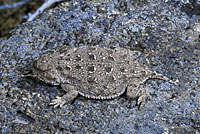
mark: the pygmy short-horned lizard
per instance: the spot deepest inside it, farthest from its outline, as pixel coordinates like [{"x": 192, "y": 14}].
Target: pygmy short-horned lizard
[{"x": 94, "y": 72}]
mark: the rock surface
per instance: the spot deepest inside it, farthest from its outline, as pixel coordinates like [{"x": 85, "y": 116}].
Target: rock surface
[{"x": 154, "y": 25}]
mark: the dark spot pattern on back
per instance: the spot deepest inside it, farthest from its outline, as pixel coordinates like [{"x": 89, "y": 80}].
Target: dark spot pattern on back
[
  {"x": 78, "y": 67},
  {"x": 108, "y": 69},
  {"x": 92, "y": 56},
  {"x": 77, "y": 58},
  {"x": 112, "y": 79},
  {"x": 91, "y": 68},
  {"x": 91, "y": 80},
  {"x": 111, "y": 58},
  {"x": 122, "y": 70},
  {"x": 68, "y": 68}
]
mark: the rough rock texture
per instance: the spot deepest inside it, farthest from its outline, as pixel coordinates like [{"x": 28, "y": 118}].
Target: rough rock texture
[{"x": 154, "y": 25}]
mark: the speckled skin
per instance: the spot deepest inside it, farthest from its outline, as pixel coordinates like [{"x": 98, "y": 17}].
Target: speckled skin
[{"x": 94, "y": 72}]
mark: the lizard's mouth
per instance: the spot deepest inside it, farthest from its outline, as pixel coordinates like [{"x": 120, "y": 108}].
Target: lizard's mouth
[{"x": 48, "y": 76}]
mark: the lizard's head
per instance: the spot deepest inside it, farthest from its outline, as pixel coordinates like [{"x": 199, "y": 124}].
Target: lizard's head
[{"x": 44, "y": 68}]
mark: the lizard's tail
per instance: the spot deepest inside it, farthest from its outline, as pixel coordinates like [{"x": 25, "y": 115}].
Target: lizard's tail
[{"x": 162, "y": 77}]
